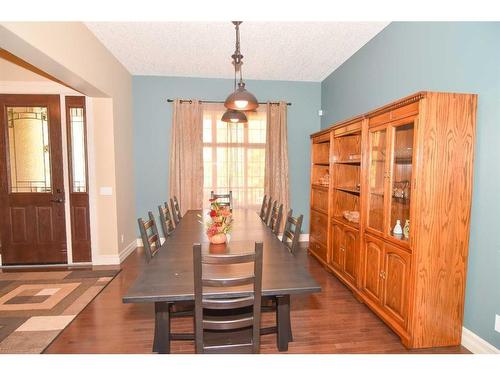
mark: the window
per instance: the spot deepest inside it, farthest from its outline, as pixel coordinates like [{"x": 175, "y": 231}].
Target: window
[
  {"x": 234, "y": 156},
  {"x": 29, "y": 150},
  {"x": 77, "y": 149}
]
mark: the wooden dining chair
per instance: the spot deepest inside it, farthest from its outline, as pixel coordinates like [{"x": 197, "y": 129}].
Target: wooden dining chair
[
  {"x": 227, "y": 325},
  {"x": 263, "y": 208},
  {"x": 167, "y": 222},
  {"x": 176, "y": 210},
  {"x": 275, "y": 219},
  {"x": 227, "y": 199},
  {"x": 151, "y": 243},
  {"x": 291, "y": 233},
  {"x": 267, "y": 212},
  {"x": 149, "y": 234}
]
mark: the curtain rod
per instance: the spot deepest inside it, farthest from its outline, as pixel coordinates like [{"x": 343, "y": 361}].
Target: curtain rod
[{"x": 216, "y": 102}]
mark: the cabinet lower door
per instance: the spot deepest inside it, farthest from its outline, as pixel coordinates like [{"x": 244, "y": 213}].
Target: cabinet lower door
[
  {"x": 373, "y": 262},
  {"x": 396, "y": 274},
  {"x": 317, "y": 248},
  {"x": 337, "y": 246},
  {"x": 350, "y": 263}
]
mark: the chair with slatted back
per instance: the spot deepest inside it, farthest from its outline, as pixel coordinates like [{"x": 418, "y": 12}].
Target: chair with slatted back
[
  {"x": 176, "y": 210},
  {"x": 268, "y": 209},
  {"x": 263, "y": 208},
  {"x": 275, "y": 219},
  {"x": 227, "y": 325},
  {"x": 151, "y": 243},
  {"x": 149, "y": 235},
  {"x": 167, "y": 222},
  {"x": 223, "y": 199},
  {"x": 291, "y": 233}
]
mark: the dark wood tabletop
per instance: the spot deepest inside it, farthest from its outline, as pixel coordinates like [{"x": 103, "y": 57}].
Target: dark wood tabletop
[{"x": 169, "y": 275}]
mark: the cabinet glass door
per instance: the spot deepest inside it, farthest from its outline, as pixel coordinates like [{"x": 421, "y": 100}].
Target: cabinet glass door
[
  {"x": 402, "y": 168},
  {"x": 377, "y": 174}
]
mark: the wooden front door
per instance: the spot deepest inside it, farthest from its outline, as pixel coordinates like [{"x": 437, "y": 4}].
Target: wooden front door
[{"x": 32, "y": 219}]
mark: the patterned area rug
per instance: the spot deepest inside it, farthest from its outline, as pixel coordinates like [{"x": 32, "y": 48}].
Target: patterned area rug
[{"x": 36, "y": 306}]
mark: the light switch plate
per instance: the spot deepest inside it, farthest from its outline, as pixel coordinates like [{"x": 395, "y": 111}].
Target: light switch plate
[
  {"x": 497, "y": 323},
  {"x": 106, "y": 190}
]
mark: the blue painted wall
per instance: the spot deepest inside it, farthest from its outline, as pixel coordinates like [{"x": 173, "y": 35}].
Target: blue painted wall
[
  {"x": 152, "y": 130},
  {"x": 460, "y": 57}
]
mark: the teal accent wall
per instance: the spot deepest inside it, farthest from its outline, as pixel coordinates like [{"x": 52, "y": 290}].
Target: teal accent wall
[
  {"x": 153, "y": 120},
  {"x": 407, "y": 57}
]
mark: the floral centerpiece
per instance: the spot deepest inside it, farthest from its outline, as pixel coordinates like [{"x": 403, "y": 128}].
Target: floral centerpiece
[{"x": 219, "y": 223}]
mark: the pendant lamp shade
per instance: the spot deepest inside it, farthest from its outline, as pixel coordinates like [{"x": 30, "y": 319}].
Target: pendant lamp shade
[
  {"x": 234, "y": 116},
  {"x": 241, "y": 99}
]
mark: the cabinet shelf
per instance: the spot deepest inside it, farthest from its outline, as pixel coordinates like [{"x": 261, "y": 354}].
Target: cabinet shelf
[
  {"x": 353, "y": 162},
  {"x": 396, "y": 199},
  {"x": 348, "y": 189},
  {"x": 344, "y": 221},
  {"x": 319, "y": 187},
  {"x": 403, "y": 160}
]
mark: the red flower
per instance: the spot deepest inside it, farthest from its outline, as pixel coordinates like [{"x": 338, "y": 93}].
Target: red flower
[{"x": 213, "y": 213}]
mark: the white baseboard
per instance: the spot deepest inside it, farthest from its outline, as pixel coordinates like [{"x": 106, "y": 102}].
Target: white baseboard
[
  {"x": 304, "y": 237},
  {"x": 110, "y": 260},
  {"x": 476, "y": 344},
  {"x": 127, "y": 251}
]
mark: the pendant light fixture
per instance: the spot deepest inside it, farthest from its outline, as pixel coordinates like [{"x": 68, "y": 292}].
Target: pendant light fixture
[
  {"x": 234, "y": 116},
  {"x": 240, "y": 99}
]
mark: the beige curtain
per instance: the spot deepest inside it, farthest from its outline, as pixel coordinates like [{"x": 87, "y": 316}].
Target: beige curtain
[
  {"x": 276, "y": 174},
  {"x": 186, "y": 155}
]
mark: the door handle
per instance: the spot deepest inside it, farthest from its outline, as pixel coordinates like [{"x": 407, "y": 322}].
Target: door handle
[{"x": 57, "y": 200}]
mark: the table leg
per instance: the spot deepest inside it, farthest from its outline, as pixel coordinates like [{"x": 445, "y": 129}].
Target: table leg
[
  {"x": 284, "y": 335},
  {"x": 161, "y": 341}
]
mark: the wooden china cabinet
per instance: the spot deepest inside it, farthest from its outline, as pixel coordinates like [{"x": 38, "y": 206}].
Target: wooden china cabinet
[{"x": 407, "y": 163}]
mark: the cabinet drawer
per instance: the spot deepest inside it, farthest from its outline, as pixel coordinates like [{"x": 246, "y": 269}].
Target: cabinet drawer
[
  {"x": 322, "y": 138},
  {"x": 348, "y": 128},
  {"x": 317, "y": 248},
  {"x": 319, "y": 227},
  {"x": 319, "y": 200}
]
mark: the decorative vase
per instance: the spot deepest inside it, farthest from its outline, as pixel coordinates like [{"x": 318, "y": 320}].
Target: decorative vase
[
  {"x": 218, "y": 238},
  {"x": 397, "y": 231},
  {"x": 220, "y": 248},
  {"x": 406, "y": 229}
]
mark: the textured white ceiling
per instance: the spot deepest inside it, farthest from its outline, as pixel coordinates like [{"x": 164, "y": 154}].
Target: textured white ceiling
[{"x": 292, "y": 51}]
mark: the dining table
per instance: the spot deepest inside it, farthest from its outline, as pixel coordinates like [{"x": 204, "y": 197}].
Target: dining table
[{"x": 168, "y": 278}]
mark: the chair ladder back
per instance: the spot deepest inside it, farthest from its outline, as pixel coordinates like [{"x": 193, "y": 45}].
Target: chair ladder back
[
  {"x": 239, "y": 320},
  {"x": 176, "y": 210},
  {"x": 167, "y": 222},
  {"x": 150, "y": 241},
  {"x": 268, "y": 210},
  {"x": 227, "y": 198},
  {"x": 275, "y": 220},
  {"x": 292, "y": 234},
  {"x": 262, "y": 213}
]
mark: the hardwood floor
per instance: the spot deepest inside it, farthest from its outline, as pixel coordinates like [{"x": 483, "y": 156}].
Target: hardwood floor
[{"x": 332, "y": 321}]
